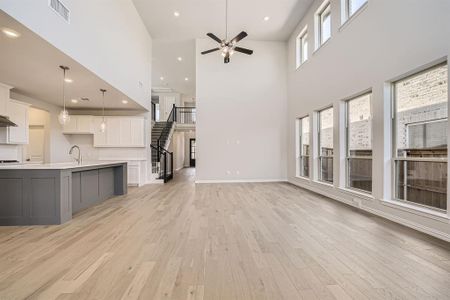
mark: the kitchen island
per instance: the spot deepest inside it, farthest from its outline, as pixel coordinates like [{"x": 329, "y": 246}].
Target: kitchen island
[{"x": 46, "y": 194}]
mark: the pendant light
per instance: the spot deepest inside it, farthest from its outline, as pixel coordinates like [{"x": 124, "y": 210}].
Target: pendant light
[
  {"x": 103, "y": 123},
  {"x": 63, "y": 116}
]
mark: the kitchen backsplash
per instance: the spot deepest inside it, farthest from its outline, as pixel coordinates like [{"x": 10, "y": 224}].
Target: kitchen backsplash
[{"x": 10, "y": 152}]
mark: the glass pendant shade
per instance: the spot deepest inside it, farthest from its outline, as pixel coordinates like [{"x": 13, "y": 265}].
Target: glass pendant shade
[
  {"x": 63, "y": 117},
  {"x": 103, "y": 126}
]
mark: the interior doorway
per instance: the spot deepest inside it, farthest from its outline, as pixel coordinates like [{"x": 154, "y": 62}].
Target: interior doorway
[
  {"x": 192, "y": 153},
  {"x": 37, "y": 149}
]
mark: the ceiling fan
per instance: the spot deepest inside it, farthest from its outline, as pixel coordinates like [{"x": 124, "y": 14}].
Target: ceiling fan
[{"x": 228, "y": 47}]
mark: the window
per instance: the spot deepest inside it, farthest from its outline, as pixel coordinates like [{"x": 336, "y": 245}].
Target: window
[
  {"x": 359, "y": 143},
  {"x": 354, "y": 5},
  {"x": 326, "y": 145},
  {"x": 323, "y": 21},
  {"x": 420, "y": 139},
  {"x": 303, "y": 148},
  {"x": 302, "y": 47}
]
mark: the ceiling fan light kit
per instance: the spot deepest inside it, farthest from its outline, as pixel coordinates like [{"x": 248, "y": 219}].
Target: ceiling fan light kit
[{"x": 228, "y": 47}]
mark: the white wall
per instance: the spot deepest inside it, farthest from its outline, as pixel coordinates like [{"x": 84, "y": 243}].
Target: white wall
[
  {"x": 241, "y": 113},
  {"x": 177, "y": 147},
  {"x": 58, "y": 144},
  {"x": 107, "y": 37},
  {"x": 385, "y": 40}
]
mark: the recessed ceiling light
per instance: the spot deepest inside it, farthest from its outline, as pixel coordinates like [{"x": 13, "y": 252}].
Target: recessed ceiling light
[
  {"x": 176, "y": 14},
  {"x": 267, "y": 18},
  {"x": 162, "y": 77},
  {"x": 10, "y": 33},
  {"x": 68, "y": 80},
  {"x": 74, "y": 101},
  {"x": 180, "y": 58},
  {"x": 125, "y": 101},
  {"x": 186, "y": 79}
]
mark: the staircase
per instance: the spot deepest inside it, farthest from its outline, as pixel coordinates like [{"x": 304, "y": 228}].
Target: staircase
[
  {"x": 162, "y": 159},
  {"x": 159, "y": 132}
]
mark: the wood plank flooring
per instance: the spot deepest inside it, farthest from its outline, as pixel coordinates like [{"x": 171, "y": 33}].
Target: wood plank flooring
[{"x": 222, "y": 241}]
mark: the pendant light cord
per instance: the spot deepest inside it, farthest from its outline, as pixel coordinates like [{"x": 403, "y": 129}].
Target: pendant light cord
[
  {"x": 64, "y": 89},
  {"x": 226, "y": 20},
  {"x": 103, "y": 103}
]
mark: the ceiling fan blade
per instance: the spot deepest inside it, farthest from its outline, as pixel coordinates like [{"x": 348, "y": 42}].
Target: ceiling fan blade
[
  {"x": 226, "y": 59},
  {"x": 210, "y": 50},
  {"x": 211, "y": 35},
  {"x": 243, "y": 50},
  {"x": 239, "y": 37}
]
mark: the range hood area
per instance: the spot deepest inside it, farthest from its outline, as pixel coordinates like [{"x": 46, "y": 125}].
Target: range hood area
[{"x": 5, "y": 122}]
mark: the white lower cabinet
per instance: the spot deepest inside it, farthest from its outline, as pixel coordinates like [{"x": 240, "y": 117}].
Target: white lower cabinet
[
  {"x": 134, "y": 173},
  {"x": 137, "y": 172},
  {"x": 121, "y": 132}
]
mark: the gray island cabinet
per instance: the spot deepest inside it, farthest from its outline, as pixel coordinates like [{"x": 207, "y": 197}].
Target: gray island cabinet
[{"x": 51, "y": 193}]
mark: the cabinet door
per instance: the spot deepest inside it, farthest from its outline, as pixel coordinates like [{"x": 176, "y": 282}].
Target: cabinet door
[
  {"x": 84, "y": 124},
  {"x": 113, "y": 132},
  {"x": 18, "y": 113},
  {"x": 133, "y": 173},
  {"x": 138, "y": 132},
  {"x": 71, "y": 125},
  {"x": 99, "y": 137},
  {"x": 125, "y": 132}
]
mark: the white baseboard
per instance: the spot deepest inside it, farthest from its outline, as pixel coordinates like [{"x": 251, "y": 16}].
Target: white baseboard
[
  {"x": 405, "y": 222},
  {"x": 241, "y": 181}
]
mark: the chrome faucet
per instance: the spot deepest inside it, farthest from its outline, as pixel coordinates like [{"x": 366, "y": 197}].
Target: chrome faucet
[{"x": 79, "y": 160}]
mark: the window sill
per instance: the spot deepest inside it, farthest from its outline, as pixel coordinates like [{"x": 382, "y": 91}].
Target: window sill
[
  {"x": 302, "y": 178},
  {"x": 418, "y": 210},
  {"x": 352, "y": 17},
  {"x": 324, "y": 183},
  {"x": 362, "y": 195},
  {"x": 321, "y": 46},
  {"x": 299, "y": 66}
]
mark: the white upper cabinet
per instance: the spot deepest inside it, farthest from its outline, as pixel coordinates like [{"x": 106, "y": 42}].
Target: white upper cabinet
[
  {"x": 17, "y": 113},
  {"x": 120, "y": 132},
  {"x": 113, "y": 132},
  {"x": 79, "y": 125},
  {"x": 4, "y": 99}
]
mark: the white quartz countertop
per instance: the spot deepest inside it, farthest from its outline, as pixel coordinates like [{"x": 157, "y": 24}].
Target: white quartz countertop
[{"x": 59, "y": 166}]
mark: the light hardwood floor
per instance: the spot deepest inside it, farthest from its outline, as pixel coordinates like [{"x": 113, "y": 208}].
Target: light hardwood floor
[{"x": 222, "y": 241}]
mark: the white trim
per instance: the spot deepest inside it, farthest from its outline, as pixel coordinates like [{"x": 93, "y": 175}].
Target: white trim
[
  {"x": 241, "y": 181},
  {"x": 417, "y": 210},
  {"x": 419, "y": 227},
  {"x": 354, "y": 192},
  {"x": 360, "y": 204}
]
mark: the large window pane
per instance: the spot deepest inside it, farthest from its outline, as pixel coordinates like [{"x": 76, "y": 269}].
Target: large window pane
[
  {"x": 359, "y": 143},
  {"x": 326, "y": 145},
  {"x": 422, "y": 182},
  {"x": 421, "y": 100},
  {"x": 421, "y": 137}
]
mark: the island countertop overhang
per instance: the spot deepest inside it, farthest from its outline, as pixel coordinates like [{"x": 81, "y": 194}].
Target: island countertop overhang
[{"x": 64, "y": 166}]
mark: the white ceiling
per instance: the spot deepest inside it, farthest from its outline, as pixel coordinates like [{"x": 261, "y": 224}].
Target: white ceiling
[
  {"x": 31, "y": 65},
  {"x": 174, "y": 36}
]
